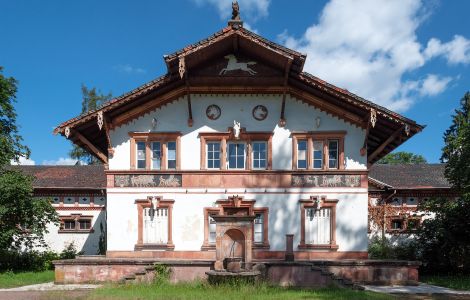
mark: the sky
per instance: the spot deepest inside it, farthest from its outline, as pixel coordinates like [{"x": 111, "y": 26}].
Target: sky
[{"x": 410, "y": 56}]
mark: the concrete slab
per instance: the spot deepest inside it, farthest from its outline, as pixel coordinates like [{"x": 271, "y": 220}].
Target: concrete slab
[
  {"x": 416, "y": 290},
  {"x": 50, "y": 286}
]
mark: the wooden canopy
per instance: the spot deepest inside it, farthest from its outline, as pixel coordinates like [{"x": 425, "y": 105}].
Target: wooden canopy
[{"x": 279, "y": 70}]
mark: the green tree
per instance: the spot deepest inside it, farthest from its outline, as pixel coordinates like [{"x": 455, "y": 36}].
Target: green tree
[
  {"x": 11, "y": 147},
  {"x": 444, "y": 239},
  {"x": 23, "y": 219},
  {"x": 92, "y": 99},
  {"x": 402, "y": 158}
]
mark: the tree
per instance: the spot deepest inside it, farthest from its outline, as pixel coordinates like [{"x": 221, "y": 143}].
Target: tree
[
  {"x": 23, "y": 219},
  {"x": 92, "y": 99},
  {"x": 444, "y": 239},
  {"x": 402, "y": 158},
  {"x": 10, "y": 140}
]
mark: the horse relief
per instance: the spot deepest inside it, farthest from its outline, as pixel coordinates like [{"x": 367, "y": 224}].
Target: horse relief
[{"x": 233, "y": 65}]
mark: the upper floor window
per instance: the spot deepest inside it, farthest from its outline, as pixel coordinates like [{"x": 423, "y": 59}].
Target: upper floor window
[
  {"x": 155, "y": 151},
  {"x": 318, "y": 150},
  {"x": 76, "y": 223},
  {"x": 251, "y": 151}
]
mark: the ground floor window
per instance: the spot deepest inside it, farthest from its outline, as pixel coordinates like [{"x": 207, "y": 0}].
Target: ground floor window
[
  {"x": 75, "y": 223},
  {"x": 155, "y": 226}
]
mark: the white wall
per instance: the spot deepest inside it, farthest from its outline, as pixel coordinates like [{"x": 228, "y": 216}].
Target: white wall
[
  {"x": 173, "y": 117},
  {"x": 188, "y": 216}
]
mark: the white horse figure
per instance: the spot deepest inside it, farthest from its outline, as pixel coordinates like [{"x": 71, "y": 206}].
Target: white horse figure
[
  {"x": 233, "y": 64},
  {"x": 236, "y": 129}
]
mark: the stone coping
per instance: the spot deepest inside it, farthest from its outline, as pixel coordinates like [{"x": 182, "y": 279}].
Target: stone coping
[
  {"x": 233, "y": 274},
  {"x": 345, "y": 262},
  {"x": 129, "y": 261}
]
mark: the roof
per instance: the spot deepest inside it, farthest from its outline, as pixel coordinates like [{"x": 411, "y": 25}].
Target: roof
[
  {"x": 410, "y": 176},
  {"x": 66, "y": 177},
  {"x": 387, "y": 133}
]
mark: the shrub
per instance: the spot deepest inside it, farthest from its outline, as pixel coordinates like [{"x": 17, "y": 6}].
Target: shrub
[
  {"x": 27, "y": 260},
  {"x": 162, "y": 273},
  {"x": 70, "y": 252},
  {"x": 384, "y": 249}
]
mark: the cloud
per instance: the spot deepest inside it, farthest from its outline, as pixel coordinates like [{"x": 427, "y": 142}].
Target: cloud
[
  {"x": 61, "y": 162},
  {"x": 252, "y": 9},
  {"x": 23, "y": 162},
  {"x": 370, "y": 46},
  {"x": 455, "y": 51},
  {"x": 129, "y": 69}
]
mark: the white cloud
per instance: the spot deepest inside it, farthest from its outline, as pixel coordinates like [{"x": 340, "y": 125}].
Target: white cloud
[
  {"x": 23, "y": 162},
  {"x": 61, "y": 162},
  {"x": 248, "y": 8},
  {"x": 369, "y": 46},
  {"x": 455, "y": 51},
  {"x": 129, "y": 69}
]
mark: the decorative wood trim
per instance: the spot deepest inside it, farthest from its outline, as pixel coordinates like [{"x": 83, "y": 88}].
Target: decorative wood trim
[
  {"x": 384, "y": 144},
  {"x": 107, "y": 129},
  {"x": 324, "y": 202},
  {"x": 161, "y": 203},
  {"x": 91, "y": 147}
]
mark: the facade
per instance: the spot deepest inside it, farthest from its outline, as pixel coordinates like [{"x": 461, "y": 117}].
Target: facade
[
  {"x": 236, "y": 152},
  {"x": 78, "y": 193}
]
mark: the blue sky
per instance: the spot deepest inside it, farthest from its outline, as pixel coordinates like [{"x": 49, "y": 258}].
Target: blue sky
[{"x": 408, "y": 55}]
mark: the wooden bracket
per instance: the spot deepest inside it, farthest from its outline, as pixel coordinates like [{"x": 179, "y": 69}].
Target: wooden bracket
[
  {"x": 282, "y": 120},
  {"x": 188, "y": 99},
  {"x": 107, "y": 128},
  {"x": 91, "y": 147},
  {"x": 363, "y": 150},
  {"x": 384, "y": 144}
]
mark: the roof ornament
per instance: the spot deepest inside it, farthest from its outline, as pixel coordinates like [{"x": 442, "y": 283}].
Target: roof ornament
[
  {"x": 182, "y": 67},
  {"x": 67, "y": 132},
  {"x": 373, "y": 117},
  {"x": 407, "y": 129},
  {"x": 100, "y": 119},
  {"x": 236, "y": 21}
]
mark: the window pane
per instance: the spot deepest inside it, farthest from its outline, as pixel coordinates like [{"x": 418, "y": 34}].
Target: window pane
[
  {"x": 302, "y": 154},
  {"x": 317, "y": 154},
  {"x": 236, "y": 156},
  {"x": 141, "y": 164},
  {"x": 156, "y": 155},
  {"x": 213, "y": 155},
  {"x": 259, "y": 155},
  {"x": 69, "y": 224},
  {"x": 302, "y": 145},
  {"x": 141, "y": 155},
  {"x": 85, "y": 224},
  {"x": 171, "y": 153},
  {"x": 333, "y": 154}
]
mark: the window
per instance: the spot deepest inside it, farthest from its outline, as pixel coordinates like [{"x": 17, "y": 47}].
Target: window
[
  {"x": 259, "y": 155},
  {"x": 318, "y": 224},
  {"x": 156, "y": 155},
  {"x": 333, "y": 154},
  {"x": 412, "y": 201},
  {"x": 213, "y": 155},
  {"x": 75, "y": 223},
  {"x": 211, "y": 230},
  {"x": 396, "y": 202},
  {"x": 318, "y": 155},
  {"x": 302, "y": 154},
  {"x": 154, "y": 224},
  {"x": 141, "y": 155},
  {"x": 258, "y": 232},
  {"x": 318, "y": 150},
  {"x": 397, "y": 224},
  {"x": 155, "y": 151},
  {"x": 171, "y": 148},
  {"x": 236, "y": 156}
]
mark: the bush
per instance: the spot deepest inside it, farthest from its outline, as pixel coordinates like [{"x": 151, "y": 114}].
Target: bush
[
  {"x": 162, "y": 273},
  {"x": 35, "y": 261},
  {"x": 384, "y": 249},
  {"x": 70, "y": 252}
]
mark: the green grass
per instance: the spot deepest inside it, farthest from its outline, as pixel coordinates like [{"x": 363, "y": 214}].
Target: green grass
[
  {"x": 458, "y": 282},
  {"x": 201, "y": 290},
  {"x": 11, "y": 279}
]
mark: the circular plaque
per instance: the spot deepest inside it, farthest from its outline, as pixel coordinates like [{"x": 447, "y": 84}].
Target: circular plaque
[
  {"x": 213, "y": 112},
  {"x": 260, "y": 112}
]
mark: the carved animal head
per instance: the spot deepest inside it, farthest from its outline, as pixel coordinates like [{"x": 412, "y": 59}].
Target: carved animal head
[{"x": 230, "y": 56}]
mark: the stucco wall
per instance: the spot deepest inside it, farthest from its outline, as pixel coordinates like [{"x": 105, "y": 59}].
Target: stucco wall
[
  {"x": 300, "y": 117},
  {"x": 284, "y": 216}
]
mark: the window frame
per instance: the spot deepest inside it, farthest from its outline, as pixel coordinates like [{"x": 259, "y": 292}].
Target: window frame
[
  {"x": 149, "y": 137},
  {"x": 225, "y": 138},
  {"x": 253, "y": 158},
  {"x": 147, "y": 203},
  {"x": 324, "y": 137},
  {"x": 324, "y": 203},
  {"x": 243, "y": 157},
  {"x": 75, "y": 219}
]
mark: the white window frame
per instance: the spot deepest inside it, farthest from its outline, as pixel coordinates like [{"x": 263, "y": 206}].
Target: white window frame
[
  {"x": 336, "y": 158},
  {"x": 152, "y": 153},
  {"x": 155, "y": 225},
  {"x": 137, "y": 155},
  {"x": 258, "y": 228},
  {"x": 236, "y": 155},
  {"x": 213, "y": 159},
  {"x": 318, "y": 225},
  {"x": 168, "y": 156},
  {"x": 259, "y": 159},
  {"x": 305, "y": 151},
  {"x": 321, "y": 159}
]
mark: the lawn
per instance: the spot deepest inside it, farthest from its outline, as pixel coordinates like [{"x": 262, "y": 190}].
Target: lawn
[
  {"x": 205, "y": 291},
  {"x": 458, "y": 282},
  {"x": 12, "y": 279}
]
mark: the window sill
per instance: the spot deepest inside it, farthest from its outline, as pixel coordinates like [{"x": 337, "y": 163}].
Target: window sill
[
  {"x": 332, "y": 247},
  {"x": 76, "y": 230},
  {"x": 208, "y": 247},
  {"x": 140, "y": 247},
  {"x": 264, "y": 246}
]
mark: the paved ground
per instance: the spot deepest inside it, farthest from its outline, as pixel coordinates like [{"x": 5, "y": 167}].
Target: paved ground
[
  {"x": 422, "y": 291},
  {"x": 48, "y": 290}
]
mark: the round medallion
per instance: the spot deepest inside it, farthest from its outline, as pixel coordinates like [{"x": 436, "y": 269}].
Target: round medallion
[
  {"x": 260, "y": 112},
  {"x": 213, "y": 112}
]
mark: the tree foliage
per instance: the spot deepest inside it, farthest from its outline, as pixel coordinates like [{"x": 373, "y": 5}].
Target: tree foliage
[
  {"x": 92, "y": 99},
  {"x": 23, "y": 219},
  {"x": 402, "y": 158},
  {"x": 11, "y": 147},
  {"x": 445, "y": 238}
]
